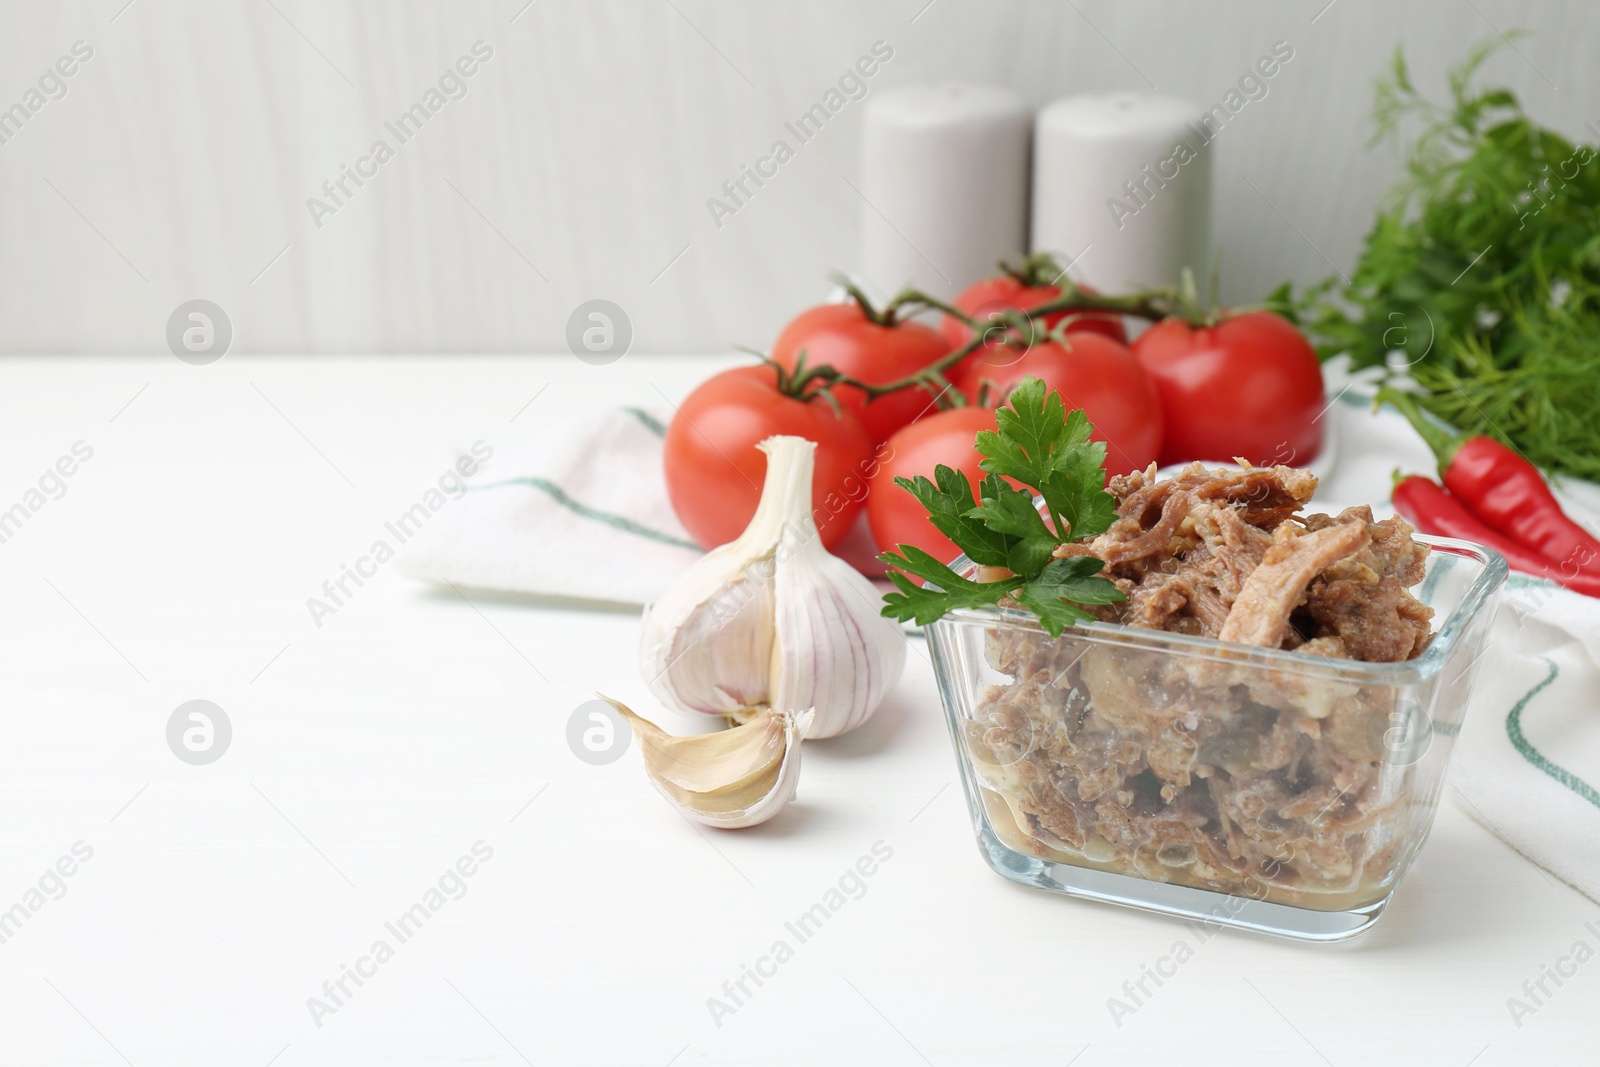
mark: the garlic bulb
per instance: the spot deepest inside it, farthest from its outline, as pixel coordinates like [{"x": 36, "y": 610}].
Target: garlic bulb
[
  {"x": 738, "y": 777},
  {"x": 773, "y": 620}
]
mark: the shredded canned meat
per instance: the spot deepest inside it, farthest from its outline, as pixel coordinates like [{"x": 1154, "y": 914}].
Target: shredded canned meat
[{"x": 1189, "y": 769}]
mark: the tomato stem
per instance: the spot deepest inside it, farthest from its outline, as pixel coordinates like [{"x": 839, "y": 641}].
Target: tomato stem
[
  {"x": 1035, "y": 271},
  {"x": 1153, "y": 304},
  {"x": 1017, "y": 328},
  {"x": 909, "y": 297},
  {"x": 946, "y": 396},
  {"x": 930, "y": 377},
  {"x": 887, "y": 316},
  {"x": 798, "y": 383}
]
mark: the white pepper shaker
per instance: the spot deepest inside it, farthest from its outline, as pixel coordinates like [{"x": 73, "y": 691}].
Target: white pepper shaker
[
  {"x": 944, "y": 177},
  {"x": 1122, "y": 189}
]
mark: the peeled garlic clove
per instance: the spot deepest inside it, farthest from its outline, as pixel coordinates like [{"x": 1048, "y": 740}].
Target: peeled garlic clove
[
  {"x": 772, "y": 620},
  {"x": 738, "y": 777}
]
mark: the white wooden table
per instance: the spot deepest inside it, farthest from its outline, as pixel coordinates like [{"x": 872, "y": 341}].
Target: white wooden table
[{"x": 369, "y": 755}]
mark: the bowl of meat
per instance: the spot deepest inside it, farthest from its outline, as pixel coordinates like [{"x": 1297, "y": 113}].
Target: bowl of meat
[{"x": 1255, "y": 737}]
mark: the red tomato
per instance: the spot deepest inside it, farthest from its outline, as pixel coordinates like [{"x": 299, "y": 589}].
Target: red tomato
[
  {"x": 843, "y": 337},
  {"x": 1250, "y": 386},
  {"x": 1091, "y": 372},
  {"x": 945, "y": 437},
  {"x": 1006, "y": 293},
  {"x": 714, "y": 469}
]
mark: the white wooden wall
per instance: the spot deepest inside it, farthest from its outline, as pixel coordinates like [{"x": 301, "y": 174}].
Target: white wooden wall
[{"x": 180, "y": 160}]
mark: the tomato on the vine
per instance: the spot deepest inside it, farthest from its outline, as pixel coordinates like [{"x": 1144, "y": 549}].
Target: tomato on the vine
[
  {"x": 715, "y": 471},
  {"x": 869, "y": 346},
  {"x": 945, "y": 437},
  {"x": 1091, "y": 372},
  {"x": 1023, "y": 290},
  {"x": 1248, "y": 387}
]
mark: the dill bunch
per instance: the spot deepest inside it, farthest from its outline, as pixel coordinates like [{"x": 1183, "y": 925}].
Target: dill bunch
[{"x": 1481, "y": 273}]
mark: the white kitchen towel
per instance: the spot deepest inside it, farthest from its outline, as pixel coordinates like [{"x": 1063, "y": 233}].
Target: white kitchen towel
[
  {"x": 581, "y": 511},
  {"x": 1527, "y": 764}
]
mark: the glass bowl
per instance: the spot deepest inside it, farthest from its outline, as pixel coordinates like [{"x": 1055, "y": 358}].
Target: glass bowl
[{"x": 1249, "y": 787}]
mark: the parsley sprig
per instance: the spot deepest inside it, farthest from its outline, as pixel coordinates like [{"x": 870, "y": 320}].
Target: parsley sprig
[
  {"x": 1482, "y": 268},
  {"x": 1040, "y": 445}
]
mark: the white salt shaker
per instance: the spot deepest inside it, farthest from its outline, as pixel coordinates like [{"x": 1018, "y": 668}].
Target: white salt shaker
[
  {"x": 1122, "y": 189},
  {"x": 944, "y": 177}
]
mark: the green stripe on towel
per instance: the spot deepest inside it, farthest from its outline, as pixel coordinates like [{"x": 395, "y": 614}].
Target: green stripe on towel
[
  {"x": 1520, "y": 742},
  {"x": 618, "y": 522},
  {"x": 650, "y": 422}
]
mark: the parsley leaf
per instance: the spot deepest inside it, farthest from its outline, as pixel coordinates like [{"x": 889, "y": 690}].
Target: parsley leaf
[
  {"x": 1012, "y": 512},
  {"x": 1044, "y": 447},
  {"x": 1064, "y": 584},
  {"x": 1079, "y": 496},
  {"x": 921, "y": 604},
  {"x": 1035, "y": 435},
  {"x": 949, "y": 505},
  {"x": 1039, "y": 443}
]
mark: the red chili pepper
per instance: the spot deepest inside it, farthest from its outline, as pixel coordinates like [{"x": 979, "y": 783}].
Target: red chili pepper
[
  {"x": 1431, "y": 509},
  {"x": 1504, "y": 490}
]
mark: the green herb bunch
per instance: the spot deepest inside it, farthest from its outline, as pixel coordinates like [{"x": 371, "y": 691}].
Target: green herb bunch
[
  {"x": 1482, "y": 269},
  {"x": 1040, "y": 445}
]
